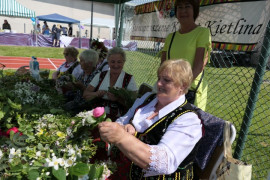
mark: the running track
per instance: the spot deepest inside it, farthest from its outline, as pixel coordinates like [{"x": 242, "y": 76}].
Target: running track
[{"x": 16, "y": 62}]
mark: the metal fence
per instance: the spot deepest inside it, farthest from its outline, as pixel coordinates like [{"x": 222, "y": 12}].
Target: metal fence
[{"x": 238, "y": 91}]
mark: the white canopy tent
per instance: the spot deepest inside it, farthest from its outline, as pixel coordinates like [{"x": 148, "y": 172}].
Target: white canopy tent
[{"x": 100, "y": 22}]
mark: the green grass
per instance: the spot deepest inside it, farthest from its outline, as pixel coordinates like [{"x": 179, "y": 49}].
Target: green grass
[
  {"x": 228, "y": 93},
  {"x": 42, "y": 52}
]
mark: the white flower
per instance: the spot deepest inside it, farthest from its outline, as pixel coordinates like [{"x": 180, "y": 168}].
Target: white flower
[
  {"x": 38, "y": 153},
  {"x": 61, "y": 161},
  {"x": 69, "y": 162},
  {"x": 53, "y": 163},
  {"x": 47, "y": 173},
  {"x": 13, "y": 153},
  {"x": 38, "y": 178},
  {"x": 71, "y": 152}
]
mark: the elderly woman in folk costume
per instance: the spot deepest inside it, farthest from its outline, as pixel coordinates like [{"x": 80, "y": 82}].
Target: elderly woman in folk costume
[
  {"x": 160, "y": 134},
  {"x": 98, "y": 89},
  {"x": 88, "y": 60},
  {"x": 71, "y": 65}
]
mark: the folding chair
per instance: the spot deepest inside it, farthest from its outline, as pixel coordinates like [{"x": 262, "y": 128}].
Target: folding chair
[{"x": 210, "y": 152}]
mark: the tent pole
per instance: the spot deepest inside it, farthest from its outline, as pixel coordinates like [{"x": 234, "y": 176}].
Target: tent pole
[
  {"x": 91, "y": 26},
  {"x": 80, "y": 37},
  {"x": 116, "y": 21},
  {"x": 119, "y": 39},
  {"x": 35, "y": 30}
]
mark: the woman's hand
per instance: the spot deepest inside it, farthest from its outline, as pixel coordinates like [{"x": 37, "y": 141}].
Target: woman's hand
[
  {"x": 111, "y": 132},
  {"x": 111, "y": 96},
  {"x": 100, "y": 93},
  {"x": 79, "y": 85},
  {"x": 130, "y": 129}
]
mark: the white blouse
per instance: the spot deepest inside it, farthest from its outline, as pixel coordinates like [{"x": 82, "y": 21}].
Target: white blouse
[
  {"x": 76, "y": 71},
  {"x": 178, "y": 141},
  {"x": 106, "y": 84}
]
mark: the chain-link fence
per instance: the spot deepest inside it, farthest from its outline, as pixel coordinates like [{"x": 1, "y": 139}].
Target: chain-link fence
[{"x": 238, "y": 91}]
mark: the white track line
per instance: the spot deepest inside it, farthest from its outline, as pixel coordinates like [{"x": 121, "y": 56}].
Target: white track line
[{"x": 52, "y": 63}]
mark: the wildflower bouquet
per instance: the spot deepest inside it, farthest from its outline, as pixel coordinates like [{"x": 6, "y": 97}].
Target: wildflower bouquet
[
  {"x": 128, "y": 97},
  {"x": 52, "y": 147},
  {"x": 64, "y": 82}
]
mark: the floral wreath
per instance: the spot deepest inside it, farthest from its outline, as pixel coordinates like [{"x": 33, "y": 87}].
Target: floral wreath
[{"x": 100, "y": 48}]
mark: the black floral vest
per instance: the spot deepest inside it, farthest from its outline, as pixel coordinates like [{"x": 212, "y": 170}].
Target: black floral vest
[{"x": 152, "y": 136}]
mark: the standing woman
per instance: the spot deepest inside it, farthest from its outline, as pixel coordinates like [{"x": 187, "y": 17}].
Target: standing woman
[{"x": 192, "y": 43}]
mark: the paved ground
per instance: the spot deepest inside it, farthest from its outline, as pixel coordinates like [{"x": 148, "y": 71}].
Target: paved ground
[{"x": 16, "y": 62}]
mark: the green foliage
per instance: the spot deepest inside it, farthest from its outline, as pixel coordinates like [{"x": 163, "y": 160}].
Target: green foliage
[
  {"x": 127, "y": 97},
  {"x": 50, "y": 144}
]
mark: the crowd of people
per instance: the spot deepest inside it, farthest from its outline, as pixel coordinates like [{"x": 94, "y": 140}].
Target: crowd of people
[
  {"x": 159, "y": 136},
  {"x": 55, "y": 32}
]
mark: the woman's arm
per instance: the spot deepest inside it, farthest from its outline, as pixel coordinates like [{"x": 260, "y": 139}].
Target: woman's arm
[
  {"x": 137, "y": 151},
  {"x": 89, "y": 93},
  {"x": 199, "y": 62},
  {"x": 175, "y": 145}
]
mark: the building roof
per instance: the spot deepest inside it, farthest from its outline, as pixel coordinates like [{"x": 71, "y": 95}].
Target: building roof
[
  {"x": 13, "y": 8},
  {"x": 57, "y": 18}
]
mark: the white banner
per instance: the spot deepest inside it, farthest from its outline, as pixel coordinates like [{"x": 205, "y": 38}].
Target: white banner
[{"x": 232, "y": 22}]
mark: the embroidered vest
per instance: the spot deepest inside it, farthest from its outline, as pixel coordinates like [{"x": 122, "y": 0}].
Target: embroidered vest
[
  {"x": 115, "y": 107},
  {"x": 152, "y": 136}
]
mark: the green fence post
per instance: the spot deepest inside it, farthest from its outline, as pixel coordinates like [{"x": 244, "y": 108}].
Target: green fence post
[{"x": 253, "y": 97}]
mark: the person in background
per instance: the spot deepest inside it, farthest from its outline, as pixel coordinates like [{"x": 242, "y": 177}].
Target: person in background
[
  {"x": 192, "y": 43},
  {"x": 46, "y": 31},
  {"x": 45, "y": 25},
  {"x": 38, "y": 31},
  {"x": 161, "y": 132},
  {"x": 71, "y": 66},
  {"x": 102, "y": 64},
  {"x": 64, "y": 30},
  {"x": 70, "y": 30},
  {"x": 6, "y": 25},
  {"x": 98, "y": 88},
  {"x": 56, "y": 32},
  {"x": 54, "y": 38}
]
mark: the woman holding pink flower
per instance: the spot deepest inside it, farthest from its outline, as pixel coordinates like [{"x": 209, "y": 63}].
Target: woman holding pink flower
[{"x": 160, "y": 133}]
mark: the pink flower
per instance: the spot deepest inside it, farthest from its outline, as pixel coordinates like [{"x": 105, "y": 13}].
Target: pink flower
[
  {"x": 14, "y": 129},
  {"x": 98, "y": 111}
]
